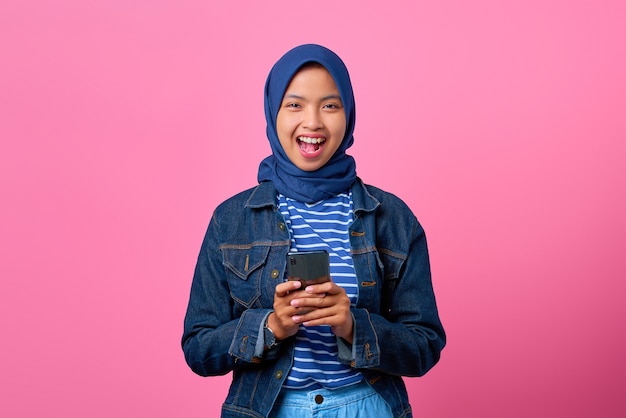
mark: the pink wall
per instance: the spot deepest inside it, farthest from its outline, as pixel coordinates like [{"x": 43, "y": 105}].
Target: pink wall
[{"x": 125, "y": 122}]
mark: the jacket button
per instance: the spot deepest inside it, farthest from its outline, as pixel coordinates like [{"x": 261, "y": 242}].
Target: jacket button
[
  {"x": 274, "y": 274},
  {"x": 319, "y": 399},
  {"x": 281, "y": 226},
  {"x": 278, "y": 375}
]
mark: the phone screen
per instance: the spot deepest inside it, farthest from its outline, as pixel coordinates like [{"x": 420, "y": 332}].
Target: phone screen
[{"x": 310, "y": 267}]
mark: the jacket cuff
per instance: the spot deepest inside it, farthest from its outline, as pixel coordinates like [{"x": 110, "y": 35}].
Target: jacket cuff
[
  {"x": 247, "y": 343},
  {"x": 365, "y": 347},
  {"x": 346, "y": 351}
]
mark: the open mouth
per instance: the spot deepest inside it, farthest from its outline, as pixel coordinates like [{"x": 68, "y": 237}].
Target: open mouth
[{"x": 310, "y": 145}]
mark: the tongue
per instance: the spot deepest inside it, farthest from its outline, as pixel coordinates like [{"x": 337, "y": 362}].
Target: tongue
[{"x": 309, "y": 148}]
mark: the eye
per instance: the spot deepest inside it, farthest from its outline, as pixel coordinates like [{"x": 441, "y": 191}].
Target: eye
[
  {"x": 331, "y": 106},
  {"x": 292, "y": 105}
]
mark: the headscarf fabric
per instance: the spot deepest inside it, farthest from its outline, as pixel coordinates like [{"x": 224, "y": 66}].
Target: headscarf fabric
[{"x": 338, "y": 174}]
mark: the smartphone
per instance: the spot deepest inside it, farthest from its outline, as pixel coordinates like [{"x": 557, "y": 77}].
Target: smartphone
[{"x": 309, "y": 267}]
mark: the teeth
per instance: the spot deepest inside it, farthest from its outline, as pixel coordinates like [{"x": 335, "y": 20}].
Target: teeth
[{"x": 310, "y": 140}]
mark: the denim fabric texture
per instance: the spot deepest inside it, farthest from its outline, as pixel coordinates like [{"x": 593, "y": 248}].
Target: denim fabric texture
[{"x": 397, "y": 330}]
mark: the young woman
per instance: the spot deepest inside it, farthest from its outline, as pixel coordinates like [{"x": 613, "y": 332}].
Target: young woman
[{"x": 332, "y": 349}]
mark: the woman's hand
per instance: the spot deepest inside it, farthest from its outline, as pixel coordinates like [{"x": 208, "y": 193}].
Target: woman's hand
[
  {"x": 281, "y": 320},
  {"x": 324, "y": 304},
  {"x": 321, "y": 304}
]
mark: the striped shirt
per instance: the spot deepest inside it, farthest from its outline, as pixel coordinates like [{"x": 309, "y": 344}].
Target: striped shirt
[{"x": 322, "y": 226}]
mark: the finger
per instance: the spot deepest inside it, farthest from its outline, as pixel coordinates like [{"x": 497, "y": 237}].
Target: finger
[
  {"x": 283, "y": 289},
  {"x": 311, "y": 317},
  {"x": 332, "y": 316},
  {"x": 328, "y": 287},
  {"x": 309, "y": 300}
]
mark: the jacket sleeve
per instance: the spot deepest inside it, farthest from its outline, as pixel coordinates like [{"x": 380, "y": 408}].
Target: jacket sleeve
[
  {"x": 404, "y": 336},
  {"x": 214, "y": 340}
]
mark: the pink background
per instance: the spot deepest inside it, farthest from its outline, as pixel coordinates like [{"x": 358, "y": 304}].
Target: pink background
[{"x": 125, "y": 122}]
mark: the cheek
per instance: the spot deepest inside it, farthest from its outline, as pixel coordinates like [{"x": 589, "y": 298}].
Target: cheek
[
  {"x": 284, "y": 132},
  {"x": 339, "y": 129},
  {"x": 284, "y": 124},
  {"x": 339, "y": 124}
]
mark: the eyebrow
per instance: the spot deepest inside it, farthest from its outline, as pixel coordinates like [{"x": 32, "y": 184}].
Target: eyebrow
[{"x": 295, "y": 96}]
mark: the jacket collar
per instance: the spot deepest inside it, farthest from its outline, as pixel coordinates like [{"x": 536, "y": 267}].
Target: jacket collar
[
  {"x": 262, "y": 195},
  {"x": 265, "y": 195},
  {"x": 362, "y": 199}
]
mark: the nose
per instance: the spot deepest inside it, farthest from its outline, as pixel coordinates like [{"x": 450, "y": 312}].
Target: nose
[{"x": 312, "y": 119}]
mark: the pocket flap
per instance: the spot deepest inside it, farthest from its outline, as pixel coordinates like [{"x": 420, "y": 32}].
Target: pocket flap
[{"x": 242, "y": 261}]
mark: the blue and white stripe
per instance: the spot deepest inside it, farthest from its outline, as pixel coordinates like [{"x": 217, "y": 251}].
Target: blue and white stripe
[{"x": 322, "y": 226}]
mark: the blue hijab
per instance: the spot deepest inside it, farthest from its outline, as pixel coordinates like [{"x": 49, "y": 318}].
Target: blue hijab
[{"x": 338, "y": 174}]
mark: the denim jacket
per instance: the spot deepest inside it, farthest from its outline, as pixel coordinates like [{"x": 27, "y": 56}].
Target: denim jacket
[{"x": 397, "y": 331}]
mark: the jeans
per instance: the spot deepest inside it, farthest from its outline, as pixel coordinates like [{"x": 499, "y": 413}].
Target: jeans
[{"x": 355, "y": 401}]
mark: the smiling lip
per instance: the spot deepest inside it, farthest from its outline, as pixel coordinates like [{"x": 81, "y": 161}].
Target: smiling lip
[{"x": 310, "y": 145}]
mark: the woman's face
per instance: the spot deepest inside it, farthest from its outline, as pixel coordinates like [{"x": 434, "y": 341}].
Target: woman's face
[{"x": 311, "y": 121}]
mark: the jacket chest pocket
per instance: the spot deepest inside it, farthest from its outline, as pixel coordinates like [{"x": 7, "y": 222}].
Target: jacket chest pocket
[{"x": 244, "y": 270}]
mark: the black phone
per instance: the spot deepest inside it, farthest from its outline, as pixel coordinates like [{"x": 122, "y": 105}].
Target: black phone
[{"x": 309, "y": 267}]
